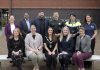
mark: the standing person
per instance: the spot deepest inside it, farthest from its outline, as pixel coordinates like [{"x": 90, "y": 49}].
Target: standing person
[
  {"x": 91, "y": 30},
  {"x": 50, "y": 45},
  {"x": 33, "y": 45},
  {"x": 56, "y": 24},
  {"x": 73, "y": 25},
  {"x": 9, "y": 31},
  {"x": 41, "y": 24},
  {"x": 65, "y": 48},
  {"x": 25, "y": 27},
  {"x": 16, "y": 44},
  {"x": 83, "y": 49}
]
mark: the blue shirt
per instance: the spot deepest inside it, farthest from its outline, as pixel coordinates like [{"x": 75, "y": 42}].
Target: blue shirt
[{"x": 90, "y": 28}]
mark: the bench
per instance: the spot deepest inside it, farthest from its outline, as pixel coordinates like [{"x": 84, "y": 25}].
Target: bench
[{"x": 93, "y": 58}]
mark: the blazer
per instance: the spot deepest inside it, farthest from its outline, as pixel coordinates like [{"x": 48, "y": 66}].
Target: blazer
[
  {"x": 66, "y": 46},
  {"x": 8, "y": 30},
  {"x": 85, "y": 43},
  {"x": 24, "y": 27}
]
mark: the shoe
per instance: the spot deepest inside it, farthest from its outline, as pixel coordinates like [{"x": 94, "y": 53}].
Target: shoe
[{"x": 8, "y": 56}]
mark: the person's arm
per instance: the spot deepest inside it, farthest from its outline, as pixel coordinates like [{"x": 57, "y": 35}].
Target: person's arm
[
  {"x": 55, "y": 48},
  {"x": 88, "y": 44},
  {"x": 71, "y": 47},
  {"x": 46, "y": 48},
  {"x": 41, "y": 43},
  {"x": 95, "y": 34},
  {"x": 27, "y": 44}
]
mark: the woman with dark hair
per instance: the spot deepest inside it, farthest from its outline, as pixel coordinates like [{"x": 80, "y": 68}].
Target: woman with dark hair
[
  {"x": 83, "y": 49},
  {"x": 50, "y": 45},
  {"x": 73, "y": 24},
  {"x": 16, "y": 44},
  {"x": 9, "y": 31},
  {"x": 91, "y": 30},
  {"x": 65, "y": 48}
]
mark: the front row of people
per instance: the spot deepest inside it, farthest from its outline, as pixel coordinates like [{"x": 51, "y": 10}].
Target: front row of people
[{"x": 62, "y": 46}]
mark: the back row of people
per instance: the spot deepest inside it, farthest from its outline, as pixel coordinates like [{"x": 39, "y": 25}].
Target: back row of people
[{"x": 42, "y": 24}]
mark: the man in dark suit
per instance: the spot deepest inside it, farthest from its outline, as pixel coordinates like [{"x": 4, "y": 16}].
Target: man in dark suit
[{"x": 25, "y": 27}]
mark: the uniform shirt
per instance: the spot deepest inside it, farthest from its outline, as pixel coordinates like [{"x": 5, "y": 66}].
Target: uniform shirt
[
  {"x": 89, "y": 28},
  {"x": 56, "y": 25},
  {"x": 73, "y": 26}
]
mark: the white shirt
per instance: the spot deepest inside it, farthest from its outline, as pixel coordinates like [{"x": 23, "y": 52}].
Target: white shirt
[
  {"x": 28, "y": 24},
  {"x": 12, "y": 28}
]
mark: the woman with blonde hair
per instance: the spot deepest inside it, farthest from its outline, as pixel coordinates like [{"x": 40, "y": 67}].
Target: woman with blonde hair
[{"x": 65, "y": 48}]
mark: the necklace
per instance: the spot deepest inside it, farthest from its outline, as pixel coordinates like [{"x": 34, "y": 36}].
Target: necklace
[{"x": 50, "y": 42}]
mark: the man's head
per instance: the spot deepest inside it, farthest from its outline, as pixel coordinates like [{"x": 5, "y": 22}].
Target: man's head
[{"x": 26, "y": 16}]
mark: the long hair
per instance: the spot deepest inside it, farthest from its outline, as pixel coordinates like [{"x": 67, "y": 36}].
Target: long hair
[
  {"x": 70, "y": 19},
  {"x": 54, "y": 38},
  {"x": 85, "y": 21},
  {"x": 20, "y": 34},
  {"x": 68, "y": 36}
]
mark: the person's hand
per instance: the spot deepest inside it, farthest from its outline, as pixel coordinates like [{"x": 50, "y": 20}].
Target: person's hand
[
  {"x": 78, "y": 52},
  {"x": 49, "y": 53},
  {"x": 53, "y": 53},
  {"x": 64, "y": 52}
]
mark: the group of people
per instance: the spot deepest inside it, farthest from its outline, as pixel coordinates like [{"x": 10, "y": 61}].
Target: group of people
[{"x": 48, "y": 39}]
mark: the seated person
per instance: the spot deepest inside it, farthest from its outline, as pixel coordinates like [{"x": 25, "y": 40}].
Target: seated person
[
  {"x": 16, "y": 43},
  {"x": 50, "y": 45},
  {"x": 65, "y": 48},
  {"x": 33, "y": 46},
  {"x": 83, "y": 49}
]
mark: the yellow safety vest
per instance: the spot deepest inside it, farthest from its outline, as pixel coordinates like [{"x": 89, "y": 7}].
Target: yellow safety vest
[{"x": 73, "y": 24}]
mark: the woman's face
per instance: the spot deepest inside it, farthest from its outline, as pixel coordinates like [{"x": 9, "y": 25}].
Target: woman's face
[
  {"x": 88, "y": 18},
  {"x": 82, "y": 32},
  {"x": 16, "y": 32},
  {"x": 65, "y": 31},
  {"x": 72, "y": 18},
  {"x": 11, "y": 19},
  {"x": 50, "y": 31},
  {"x": 33, "y": 29}
]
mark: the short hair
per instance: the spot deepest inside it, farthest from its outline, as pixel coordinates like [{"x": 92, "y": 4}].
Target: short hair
[{"x": 82, "y": 28}]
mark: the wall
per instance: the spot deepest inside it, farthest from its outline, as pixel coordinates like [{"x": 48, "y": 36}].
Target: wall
[{"x": 86, "y": 4}]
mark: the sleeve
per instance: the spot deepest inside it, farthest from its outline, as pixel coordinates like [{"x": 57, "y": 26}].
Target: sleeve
[
  {"x": 22, "y": 44},
  {"x": 88, "y": 43},
  {"x": 59, "y": 47},
  {"x": 71, "y": 47},
  {"x": 6, "y": 30},
  {"x": 41, "y": 41},
  {"x": 95, "y": 27},
  {"x": 77, "y": 47},
  {"x": 27, "y": 42},
  {"x": 10, "y": 43}
]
